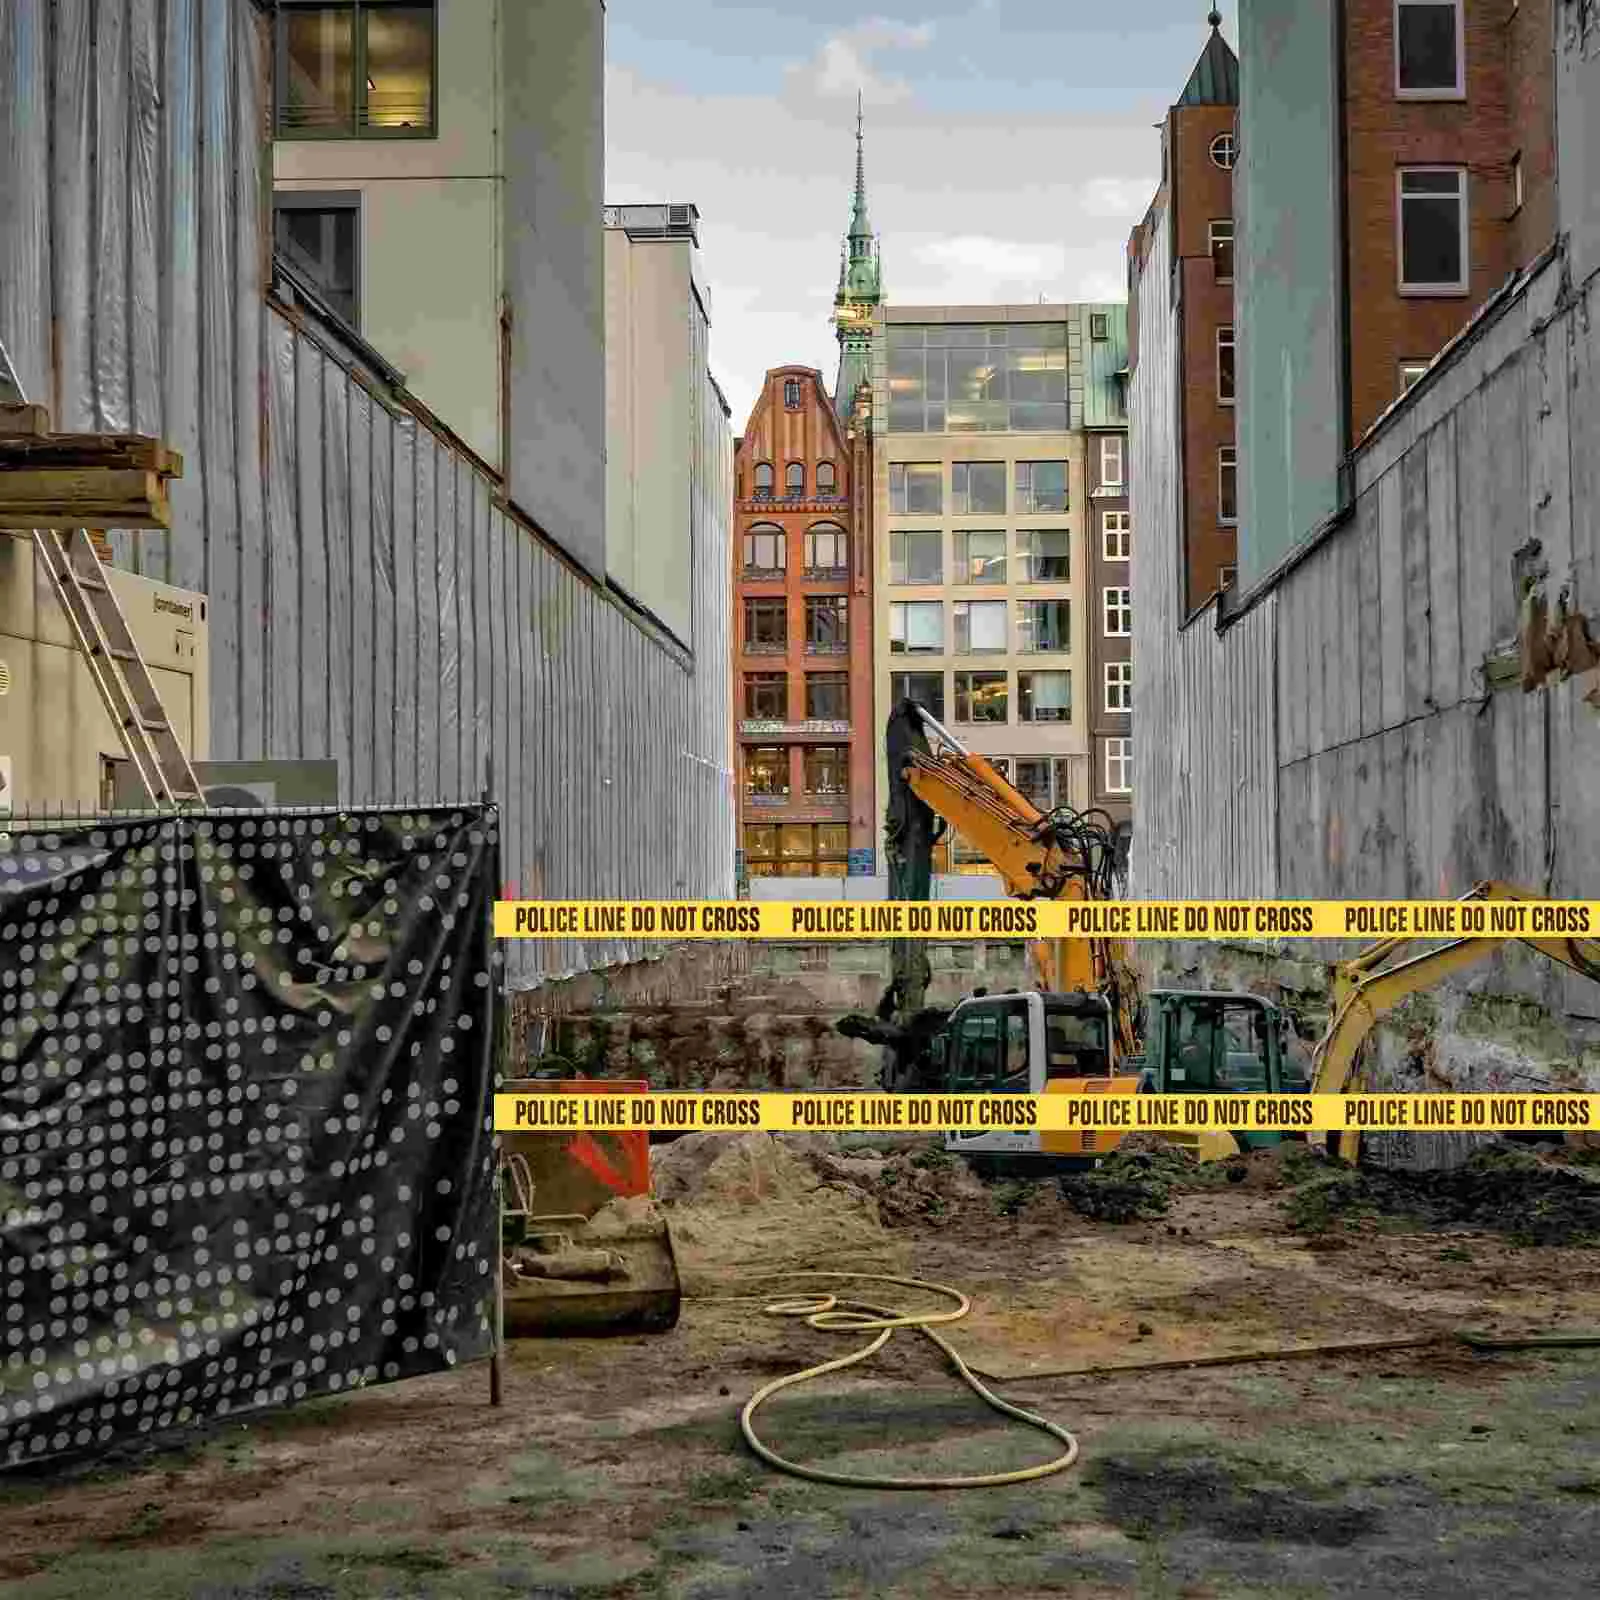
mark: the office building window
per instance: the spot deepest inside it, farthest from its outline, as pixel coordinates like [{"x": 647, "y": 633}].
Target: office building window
[
  {"x": 1116, "y": 536},
  {"x": 1220, "y": 242},
  {"x": 981, "y": 696},
  {"x": 1119, "y": 766},
  {"x": 978, "y": 488},
  {"x": 1224, "y": 151},
  {"x": 791, "y": 394},
  {"x": 1111, "y": 461},
  {"x": 916, "y": 627},
  {"x": 828, "y": 696},
  {"x": 320, "y": 239},
  {"x": 1227, "y": 484},
  {"x": 1099, "y": 327},
  {"x": 763, "y": 549},
  {"x": 827, "y": 624},
  {"x": 1225, "y": 366},
  {"x": 763, "y": 480},
  {"x": 1410, "y": 371},
  {"x": 916, "y": 488},
  {"x": 1046, "y": 555},
  {"x": 980, "y": 556},
  {"x": 916, "y": 557},
  {"x": 357, "y": 70},
  {"x": 1433, "y": 230},
  {"x": 766, "y": 770},
  {"x": 1119, "y": 686},
  {"x": 1032, "y": 781},
  {"x": 1041, "y": 487},
  {"x": 766, "y": 696},
  {"x": 827, "y": 478},
  {"x": 827, "y": 771},
  {"x": 926, "y": 688},
  {"x": 1044, "y": 627},
  {"x": 1044, "y": 697},
  {"x": 827, "y": 550},
  {"x": 980, "y": 627},
  {"x": 766, "y": 627},
  {"x": 950, "y": 378},
  {"x": 1429, "y": 51},
  {"x": 1118, "y": 612},
  {"x": 794, "y": 481}
]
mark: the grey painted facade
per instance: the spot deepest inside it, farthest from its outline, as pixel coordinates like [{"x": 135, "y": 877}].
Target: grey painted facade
[
  {"x": 373, "y": 599},
  {"x": 1287, "y": 291},
  {"x": 1578, "y": 129}
]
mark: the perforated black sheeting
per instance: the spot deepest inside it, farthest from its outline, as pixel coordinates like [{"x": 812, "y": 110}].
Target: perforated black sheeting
[{"x": 246, "y": 1069}]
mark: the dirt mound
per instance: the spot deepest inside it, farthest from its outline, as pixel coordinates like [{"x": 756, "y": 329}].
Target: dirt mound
[
  {"x": 927, "y": 1187},
  {"x": 1138, "y": 1179}
]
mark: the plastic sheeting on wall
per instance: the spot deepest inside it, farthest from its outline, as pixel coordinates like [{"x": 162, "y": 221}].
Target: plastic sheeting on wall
[{"x": 369, "y": 600}]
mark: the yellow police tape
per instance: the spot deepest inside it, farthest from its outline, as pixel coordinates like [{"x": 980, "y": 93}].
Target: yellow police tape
[
  {"x": 1045, "y": 919},
  {"x": 867, "y": 1112}
]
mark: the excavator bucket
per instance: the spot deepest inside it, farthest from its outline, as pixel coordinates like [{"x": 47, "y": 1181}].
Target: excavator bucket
[{"x": 586, "y": 1252}]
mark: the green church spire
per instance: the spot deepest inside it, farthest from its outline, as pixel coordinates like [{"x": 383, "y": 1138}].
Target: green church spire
[{"x": 860, "y": 288}]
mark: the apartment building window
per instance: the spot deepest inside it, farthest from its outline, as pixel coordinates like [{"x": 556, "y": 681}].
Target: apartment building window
[
  {"x": 1116, "y": 536},
  {"x": 1225, "y": 366},
  {"x": 763, "y": 549},
  {"x": 1432, "y": 224},
  {"x": 1044, "y": 627},
  {"x": 926, "y": 688},
  {"x": 1041, "y": 487},
  {"x": 981, "y": 696},
  {"x": 916, "y": 488},
  {"x": 827, "y": 624},
  {"x": 766, "y": 770},
  {"x": 827, "y": 551},
  {"x": 827, "y": 478},
  {"x": 791, "y": 394},
  {"x": 361, "y": 70},
  {"x": 1119, "y": 766},
  {"x": 1227, "y": 484},
  {"x": 1046, "y": 555},
  {"x": 763, "y": 480},
  {"x": 1118, "y": 613},
  {"x": 1429, "y": 50},
  {"x": 766, "y": 696},
  {"x": 978, "y": 488},
  {"x": 1119, "y": 686},
  {"x": 916, "y": 627},
  {"x": 980, "y": 556},
  {"x": 1226, "y": 578},
  {"x": 1111, "y": 461},
  {"x": 1032, "y": 781},
  {"x": 1219, "y": 234},
  {"x": 1516, "y": 183},
  {"x": 1044, "y": 697},
  {"x": 766, "y": 627},
  {"x": 980, "y": 627},
  {"x": 916, "y": 557},
  {"x": 1410, "y": 372},
  {"x": 319, "y": 236},
  {"x": 794, "y": 481},
  {"x": 827, "y": 771},
  {"x": 1224, "y": 151},
  {"x": 828, "y": 696},
  {"x": 1099, "y": 327}
]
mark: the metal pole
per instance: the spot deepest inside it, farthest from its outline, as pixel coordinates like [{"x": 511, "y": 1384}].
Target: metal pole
[{"x": 496, "y": 1359}]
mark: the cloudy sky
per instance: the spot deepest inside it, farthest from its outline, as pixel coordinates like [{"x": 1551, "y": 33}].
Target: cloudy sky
[{"x": 1010, "y": 147}]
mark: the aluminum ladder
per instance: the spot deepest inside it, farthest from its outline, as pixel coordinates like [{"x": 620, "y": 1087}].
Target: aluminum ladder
[{"x": 121, "y": 676}]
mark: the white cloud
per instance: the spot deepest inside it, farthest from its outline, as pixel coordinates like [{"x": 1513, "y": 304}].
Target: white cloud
[
  {"x": 844, "y": 66},
  {"x": 1005, "y": 259},
  {"x": 1115, "y": 197}
]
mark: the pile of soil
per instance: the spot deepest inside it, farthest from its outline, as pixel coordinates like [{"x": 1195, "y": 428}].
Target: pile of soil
[{"x": 1137, "y": 1181}]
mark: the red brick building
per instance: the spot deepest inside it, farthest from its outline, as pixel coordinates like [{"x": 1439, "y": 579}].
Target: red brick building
[{"x": 802, "y": 634}]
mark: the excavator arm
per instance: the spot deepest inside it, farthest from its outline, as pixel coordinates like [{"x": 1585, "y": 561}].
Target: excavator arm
[{"x": 1368, "y": 986}]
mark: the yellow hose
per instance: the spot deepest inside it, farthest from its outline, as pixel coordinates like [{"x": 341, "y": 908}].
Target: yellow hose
[{"x": 832, "y": 1314}]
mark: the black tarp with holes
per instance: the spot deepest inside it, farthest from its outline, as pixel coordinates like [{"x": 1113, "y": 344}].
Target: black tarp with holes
[{"x": 246, "y": 1068}]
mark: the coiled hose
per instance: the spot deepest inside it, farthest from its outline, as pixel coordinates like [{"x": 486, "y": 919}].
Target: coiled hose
[{"x": 834, "y": 1315}]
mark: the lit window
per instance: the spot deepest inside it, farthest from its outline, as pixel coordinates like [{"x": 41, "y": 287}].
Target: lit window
[
  {"x": 1119, "y": 766},
  {"x": 766, "y": 770},
  {"x": 1227, "y": 484},
  {"x": 827, "y": 771},
  {"x": 1410, "y": 371},
  {"x": 362, "y": 69},
  {"x": 1433, "y": 230},
  {"x": 794, "y": 481},
  {"x": 980, "y": 627},
  {"x": 791, "y": 394},
  {"x": 916, "y": 488},
  {"x": 981, "y": 696},
  {"x": 1516, "y": 183},
  {"x": 1119, "y": 686},
  {"x": 1044, "y": 697},
  {"x": 916, "y": 557},
  {"x": 1118, "y": 613},
  {"x": 1429, "y": 55},
  {"x": 318, "y": 236},
  {"x": 916, "y": 627},
  {"x": 1220, "y": 242},
  {"x": 1111, "y": 461},
  {"x": 1225, "y": 366},
  {"x": 1116, "y": 536},
  {"x": 1224, "y": 152}
]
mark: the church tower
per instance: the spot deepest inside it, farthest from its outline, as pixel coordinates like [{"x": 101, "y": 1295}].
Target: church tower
[{"x": 860, "y": 290}]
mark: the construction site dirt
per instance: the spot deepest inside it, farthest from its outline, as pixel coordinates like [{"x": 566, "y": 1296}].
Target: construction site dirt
[{"x": 1387, "y": 1457}]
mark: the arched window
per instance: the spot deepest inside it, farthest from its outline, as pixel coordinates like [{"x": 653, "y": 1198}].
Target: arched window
[
  {"x": 827, "y": 550},
  {"x": 763, "y": 548},
  {"x": 794, "y": 480},
  {"x": 827, "y": 480},
  {"x": 764, "y": 480}
]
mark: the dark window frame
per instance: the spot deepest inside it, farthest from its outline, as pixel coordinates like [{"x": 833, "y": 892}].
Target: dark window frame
[
  {"x": 359, "y": 77},
  {"x": 345, "y": 202}
]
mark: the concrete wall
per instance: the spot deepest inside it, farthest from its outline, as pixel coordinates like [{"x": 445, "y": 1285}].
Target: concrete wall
[{"x": 1287, "y": 290}]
